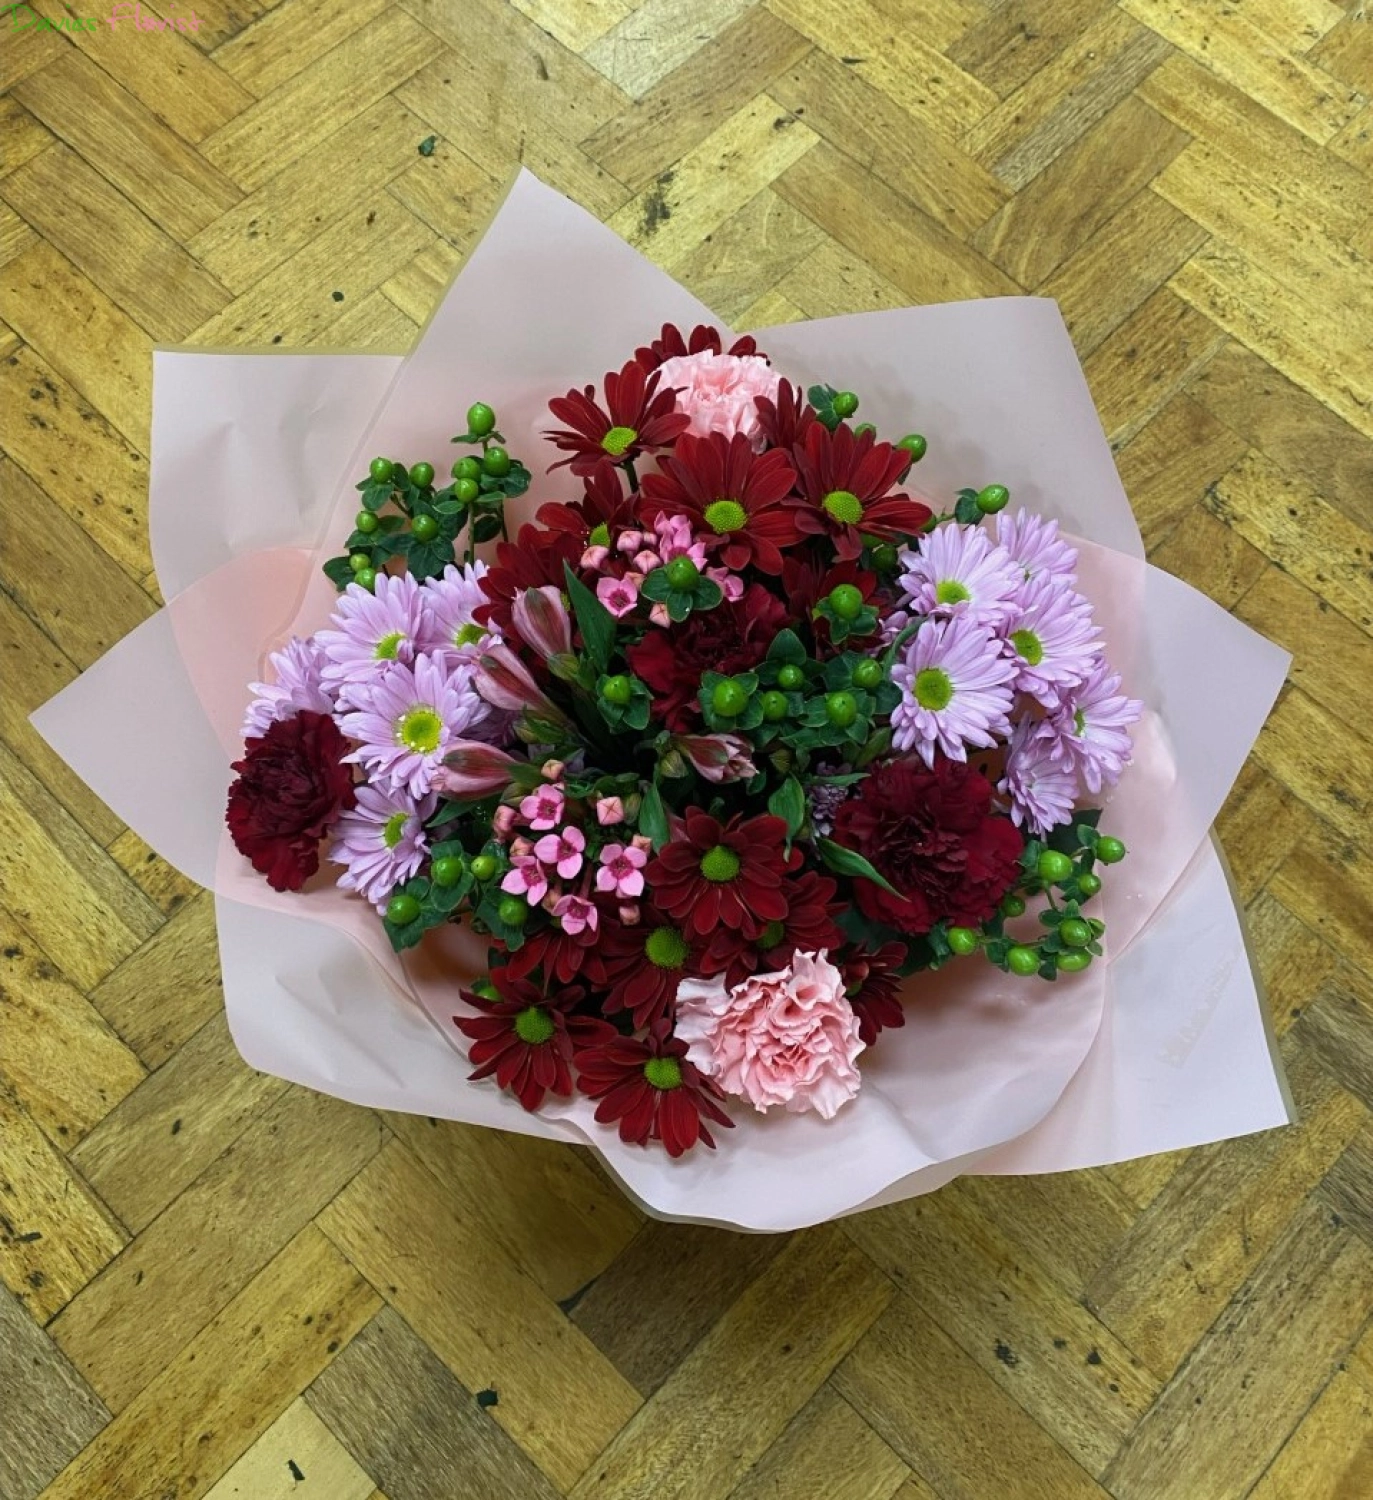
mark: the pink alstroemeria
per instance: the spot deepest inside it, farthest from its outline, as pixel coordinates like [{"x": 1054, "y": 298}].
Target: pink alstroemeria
[
  {"x": 504, "y": 681},
  {"x": 576, "y": 915},
  {"x": 526, "y": 878},
  {"x": 472, "y": 768},
  {"x": 542, "y": 622},
  {"x": 562, "y": 851},
  {"x": 543, "y": 807},
  {"x": 619, "y": 595},
  {"x": 718, "y": 757},
  {"x": 622, "y": 870},
  {"x": 609, "y": 811}
]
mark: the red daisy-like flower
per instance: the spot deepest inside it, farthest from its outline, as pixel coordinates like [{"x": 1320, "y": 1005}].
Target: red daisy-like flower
[
  {"x": 808, "y": 927},
  {"x": 533, "y": 559},
  {"x": 605, "y": 502},
  {"x": 651, "y": 1089},
  {"x": 526, "y": 1037},
  {"x": 638, "y": 416},
  {"x": 726, "y": 490},
  {"x": 717, "y": 873},
  {"x": 704, "y": 340},
  {"x": 562, "y": 956},
  {"x": 873, "y": 987},
  {"x": 845, "y": 480},
  {"x": 786, "y": 421},
  {"x": 644, "y": 965}
]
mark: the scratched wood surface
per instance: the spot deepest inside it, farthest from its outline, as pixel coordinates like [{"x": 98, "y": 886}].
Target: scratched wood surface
[{"x": 218, "y": 1285}]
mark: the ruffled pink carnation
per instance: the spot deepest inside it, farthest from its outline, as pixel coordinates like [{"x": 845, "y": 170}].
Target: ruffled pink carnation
[
  {"x": 717, "y": 391},
  {"x": 788, "y": 1038}
]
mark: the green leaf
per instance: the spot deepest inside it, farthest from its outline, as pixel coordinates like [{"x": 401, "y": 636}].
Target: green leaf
[
  {"x": 849, "y": 862},
  {"x": 787, "y": 649},
  {"x": 965, "y": 512},
  {"x": 429, "y": 559},
  {"x": 788, "y": 802},
  {"x": 821, "y": 397},
  {"x": 339, "y": 572},
  {"x": 653, "y": 818},
  {"x": 594, "y": 620},
  {"x": 486, "y": 528}
]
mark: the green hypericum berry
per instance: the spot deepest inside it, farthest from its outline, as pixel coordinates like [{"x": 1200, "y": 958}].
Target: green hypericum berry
[
  {"x": 864, "y": 427},
  {"x": 366, "y": 579},
  {"x": 466, "y": 490},
  {"x": 885, "y": 557},
  {"x": 845, "y": 404},
  {"x": 1089, "y": 884},
  {"x": 841, "y": 709},
  {"x": 682, "y": 573},
  {"x": 467, "y": 468},
  {"x": 790, "y": 677},
  {"x": 963, "y": 940},
  {"x": 484, "y": 866},
  {"x": 512, "y": 911},
  {"x": 402, "y": 910},
  {"x": 1110, "y": 851},
  {"x": 380, "y": 469},
  {"x": 366, "y": 522},
  {"x": 1074, "y": 962},
  {"x": 480, "y": 419},
  {"x": 1023, "y": 961},
  {"x": 992, "y": 498},
  {"x": 915, "y": 445},
  {"x": 422, "y": 474},
  {"x": 728, "y": 698},
  {"x": 359, "y": 560},
  {"x": 496, "y": 463},
  {"x": 426, "y": 528},
  {"x": 447, "y": 870},
  {"x": 846, "y": 601},
  {"x": 617, "y": 690},
  {"x": 774, "y": 706},
  {"x": 867, "y": 673},
  {"x": 1012, "y": 906},
  {"x": 1053, "y": 867},
  {"x": 1075, "y": 932}
]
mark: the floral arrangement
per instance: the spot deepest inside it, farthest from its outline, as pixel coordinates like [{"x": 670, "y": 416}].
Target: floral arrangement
[{"x": 716, "y": 756}]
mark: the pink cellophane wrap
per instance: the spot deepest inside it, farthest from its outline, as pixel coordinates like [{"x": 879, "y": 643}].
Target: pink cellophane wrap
[{"x": 1162, "y": 1046}]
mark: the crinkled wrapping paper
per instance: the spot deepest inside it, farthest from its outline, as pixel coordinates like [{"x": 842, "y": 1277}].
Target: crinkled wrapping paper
[{"x": 1163, "y": 1045}]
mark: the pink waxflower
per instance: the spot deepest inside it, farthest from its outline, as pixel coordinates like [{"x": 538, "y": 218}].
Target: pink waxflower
[
  {"x": 718, "y": 757},
  {"x": 718, "y": 391},
  {"x": 645, "y": 562},
  {"x": 609, "y": 811},
  {"x": 629, "y": 542},
  {"x": 619, "y": 595},
  {"x": 676, "y": 539},
  {"x": 562, "y": 851},
  {"x": 788, "y": 1038},
  {"x": 541, "y": 621},
  {"x": 622, "y": 870},
  {"x": 658, "y": 615},
  {"x": 576, "y": 915},
  {"x": 525, "y": 878},
  {"x": 594, "y": 559},
  {"x": 543, "y": 807},
  {"x": 472, "y": 768}
]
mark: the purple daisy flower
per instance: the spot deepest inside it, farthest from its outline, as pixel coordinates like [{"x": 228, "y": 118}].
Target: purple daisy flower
[
  {"x": 955, "y": 690},
  {"x": 409, "y": 718},
  {"x": 381, "y": 841},
  {"x": 1052, "y": 640},
  {"x": 957, "y": 571},
  {"x": 1091, "y": 729},
  {"x": 1041, "y": 791},
  {"x": 1035, "y": 546},
  {"x": 298, "y": 669},
  {"x": 449, "y": 602},
  {"x": 374, "y": 630}
]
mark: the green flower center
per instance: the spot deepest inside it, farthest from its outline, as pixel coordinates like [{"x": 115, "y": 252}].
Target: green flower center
[
  {"x": 771, "y": 935},
  {"x": 665, "y": 948},
  {"x": 534, "y": 1025},
  {"x": 618, "y": 439},
  {"x": 394, "y": 830},
  {"x": 420, "y": 730},
  {"x": 844, "y": 506},
  {"x": 663, "y": 1072},
  {"x": 387, "y": 646},
  {"x": 725, "y": 515},
  {"x": 1027, "y": 645},
  {"x": 469, "y": 634},
  {"x": 720, "y": 864},
  {"x": 600, "y": 536},
  {"x": 1079, "y": 722},
  {"x": 950, "y": 591},
  {"x": 933, "y": 688}
]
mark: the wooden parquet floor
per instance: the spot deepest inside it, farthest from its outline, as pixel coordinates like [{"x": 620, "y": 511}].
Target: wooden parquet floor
[{"x": 219, "y": 1285}]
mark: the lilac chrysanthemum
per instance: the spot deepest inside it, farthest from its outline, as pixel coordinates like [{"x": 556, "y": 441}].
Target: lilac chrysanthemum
[
  {"x": 1052, "y": 640},
  {"x": 955, "y": 690},
  {"x": 1035, "y": 546},
  {"x": 375, "y": 629},
  {"x": 448, "y": 604},
  {"x": 958, "y": 571},
  {"x": 1091, "y": 729},
  {"x": 297, "y": 669},
  {"x": 410, "y": 717},
  {"x": 381, "y": 841},
  {"x": 1041, "y": 791}
]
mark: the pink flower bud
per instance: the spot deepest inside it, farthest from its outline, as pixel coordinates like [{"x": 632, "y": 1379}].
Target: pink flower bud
[
  {"x": 552, "y": 770},
  {"x": 594, "y": 559},
  {"x": 630, "y": 914},
  {"x": 504, "y": 681},
  {"x": 642, "y": 841},
  {"x": 609, "y": 811},
  {"x": 521, "y": 847},
  {"x": 718, "y": 757},
  {"x": 658, "y": 615},
  {"x": 645, "y": 562},
  {"x": 472, "y": 768},
  {"x": 503, "y": 821},
  {"x": 629, "y": 542},
  {"x": 542, "y": 622}
]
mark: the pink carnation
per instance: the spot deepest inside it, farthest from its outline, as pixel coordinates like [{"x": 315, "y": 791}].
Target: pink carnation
[
  {"x": 788, "y": 1038},
  {"x": 718, "y": 391}
]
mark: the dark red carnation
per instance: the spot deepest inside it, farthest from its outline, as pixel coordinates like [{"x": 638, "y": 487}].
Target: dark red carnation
[
  {"x": 730, "y": 873},
  {"x": 732, "y": 637},
  {"x": 703, "y": 340},
  {"x": 291, "y": 787},
  {"x": 932, "y": 834}
]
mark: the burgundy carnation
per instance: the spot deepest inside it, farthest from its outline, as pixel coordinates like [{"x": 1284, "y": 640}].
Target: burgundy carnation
[
  {"x": 291, "y": 787},
  {"x": 932, "y": 834}
]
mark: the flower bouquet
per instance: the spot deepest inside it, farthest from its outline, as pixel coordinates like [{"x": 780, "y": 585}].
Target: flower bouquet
[{"x": 715, "y": 773}]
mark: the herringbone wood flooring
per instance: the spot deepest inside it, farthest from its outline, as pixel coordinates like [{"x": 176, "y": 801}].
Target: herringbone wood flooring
[{"x": 219, "y": 1285}]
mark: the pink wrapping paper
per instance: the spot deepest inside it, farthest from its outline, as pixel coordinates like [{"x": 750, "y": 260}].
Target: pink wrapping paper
[{"x": 1147, "y": 1052}]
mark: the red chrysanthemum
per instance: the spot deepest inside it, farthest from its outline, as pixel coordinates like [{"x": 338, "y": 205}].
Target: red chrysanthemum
[
  {"x": 786, "y": 421},
  {"x": 704, "y": 340},
  {"x": 526, "y": 1037},
  {"x": 604, "y": 502},
  {"x": 291, "y": 787},
  {"x": 845, "y": 480},
  {"x": 651, "y": 1089},
  {"x": 729, "y": 492},
  {"x": 932, "y": 834},
  {"x": 873, "y": 988},
  {"x": 717, "y": 873},
  {"x": 733, "y": 637},
  {"x": 808, "y": 927},
  {"x": 645, "y": 963},
  {"x": 533, "y": 559},
  {"x": 562, "y": 956},
  {"x": 638, "y": 416}
]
